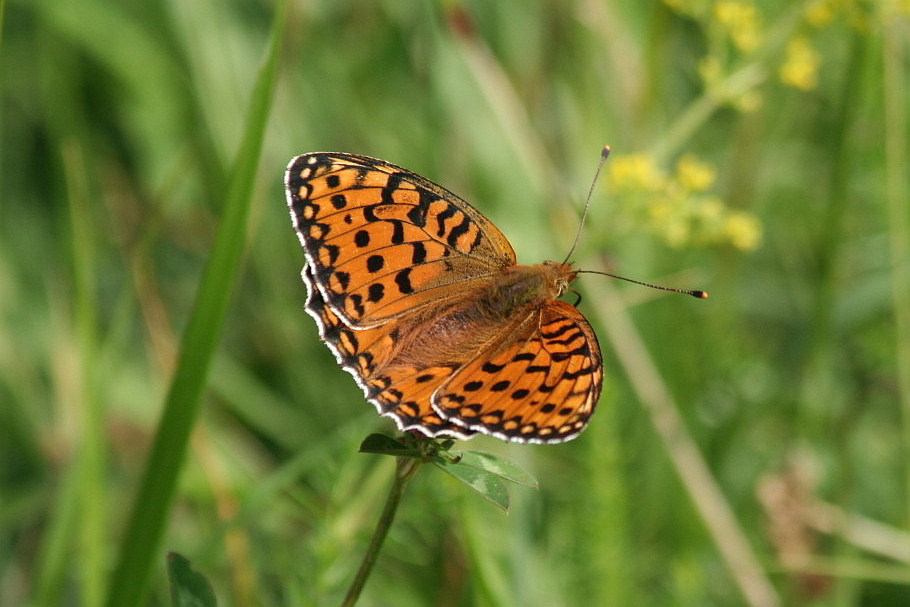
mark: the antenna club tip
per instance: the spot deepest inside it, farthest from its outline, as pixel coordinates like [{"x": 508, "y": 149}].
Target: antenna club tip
[
  {"x": 605, "y": 152},
  {"x": 699, "y": 294}
]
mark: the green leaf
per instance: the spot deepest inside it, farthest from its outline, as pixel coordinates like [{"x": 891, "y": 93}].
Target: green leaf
[
  {"x": 189, "y": 588},
  {"x": 490, "y": 486},
  {"x": 386, "y": 445},
  {"x": 498, "y": 465}
]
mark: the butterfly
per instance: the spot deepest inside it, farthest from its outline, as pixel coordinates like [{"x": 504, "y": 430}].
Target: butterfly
[{"x": 420, "y": 299}]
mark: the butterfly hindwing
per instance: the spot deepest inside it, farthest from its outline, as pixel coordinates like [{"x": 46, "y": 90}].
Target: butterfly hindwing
[
  {"x": 365, "y": 355},
  {"x": 542, "y": 386}
]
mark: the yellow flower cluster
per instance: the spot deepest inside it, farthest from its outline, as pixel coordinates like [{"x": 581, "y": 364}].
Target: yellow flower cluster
[
  {"x": 742, "y": 21},
  {"x": 679, "y": 207},
  {"x": 800, "y": 68}
]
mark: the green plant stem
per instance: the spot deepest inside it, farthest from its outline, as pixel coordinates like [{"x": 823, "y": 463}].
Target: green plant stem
[{"x": 404, "y": 470}]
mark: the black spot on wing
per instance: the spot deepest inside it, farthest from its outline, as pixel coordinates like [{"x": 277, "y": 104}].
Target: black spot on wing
[
  {"x": 500, "y": 386},
  {"x": 558, "y": 332},
  {"x": 392, "y": 184},
  {"x": 441, "y": 219},
  {"x": 375, "y": 263},
  {"x": 376, "y": 292},
  {"x": 579, "y": 373},
  {"x": 333, "y": 252},
  {"x": 343, "y": 279},
  {"x": 403, "y": 280},
  {"x": 418, "y": 215},
  {"x": 419, "y": 253},
  {"x": 457, "y": 231},
  {"x": 397, "y": 232}
]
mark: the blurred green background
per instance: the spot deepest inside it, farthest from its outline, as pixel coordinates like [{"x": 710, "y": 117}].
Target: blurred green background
[{"x": 751, "y": 449}]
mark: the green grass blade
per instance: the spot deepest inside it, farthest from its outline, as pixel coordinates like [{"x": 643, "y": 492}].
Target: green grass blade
[
  {"x": 54, "y": 553},
  {"x": 146, "y": 525},
  {"x": 92, "y": 452}
]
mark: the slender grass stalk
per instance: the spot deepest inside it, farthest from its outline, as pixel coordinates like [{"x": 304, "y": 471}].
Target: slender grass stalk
[
  {"x": 156, "y": 492},
  {"x": 54, "y": 551},
  {"x": 405, "y": 468},
  {"x": 92, "y": 534}
]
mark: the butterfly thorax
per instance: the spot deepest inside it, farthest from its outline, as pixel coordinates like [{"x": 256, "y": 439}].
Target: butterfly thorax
[
  {"x": 527, "y": 287},
  {"x": 453, "y": 334}
]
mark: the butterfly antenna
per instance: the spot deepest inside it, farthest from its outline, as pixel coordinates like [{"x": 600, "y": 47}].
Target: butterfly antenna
[
  {"x": 693, "y": 292},
  {"x": 603, "y": 158}
]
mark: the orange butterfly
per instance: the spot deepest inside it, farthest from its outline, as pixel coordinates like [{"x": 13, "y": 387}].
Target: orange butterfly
[{"x": 420, "y": 298}]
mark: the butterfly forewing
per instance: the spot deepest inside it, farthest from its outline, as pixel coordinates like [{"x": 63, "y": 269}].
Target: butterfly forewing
[{"x": 384, "y": 242}]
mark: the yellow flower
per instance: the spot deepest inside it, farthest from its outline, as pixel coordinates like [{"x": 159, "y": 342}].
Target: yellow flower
[
  {"x": 800, "y": 68},
  {"x": 743, "y": 230},
  {"x": 695, "y": 175},
  {"x": 680, "y": 208},
  {"x": 635, "y": 171},
  {"x": 742, "y": 21}
]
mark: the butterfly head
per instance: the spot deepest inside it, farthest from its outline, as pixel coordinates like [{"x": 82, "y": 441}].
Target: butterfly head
[{"x": 559, "y": 276}]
